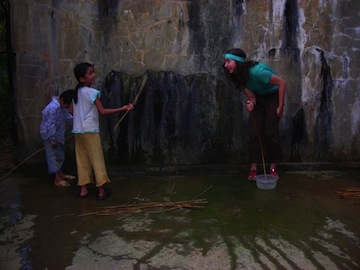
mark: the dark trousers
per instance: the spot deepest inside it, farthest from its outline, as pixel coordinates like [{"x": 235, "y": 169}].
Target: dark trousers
[{"x": 265, "y": 122}]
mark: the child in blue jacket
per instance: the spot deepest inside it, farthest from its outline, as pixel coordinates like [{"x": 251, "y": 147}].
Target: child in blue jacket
[{"x": 52, "y": 130}]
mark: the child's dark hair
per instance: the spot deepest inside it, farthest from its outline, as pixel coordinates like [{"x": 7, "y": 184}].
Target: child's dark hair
[
  {"x": 79, "y": 72},
  {"x": 67, "y": 96},
  {"x": 241, "y": 73}
]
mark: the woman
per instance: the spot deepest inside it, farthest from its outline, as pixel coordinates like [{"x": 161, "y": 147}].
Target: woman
[{"x": 265, "y": 92}]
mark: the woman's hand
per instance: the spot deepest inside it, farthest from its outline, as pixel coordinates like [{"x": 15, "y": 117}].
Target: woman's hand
[
  {"x": 251, "y": 99},
  {"x": 249, "y": 105},
  {"x": 280, "y": 111}
]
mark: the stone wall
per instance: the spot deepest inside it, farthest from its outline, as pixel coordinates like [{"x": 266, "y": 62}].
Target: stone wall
[{"x": 314, "y": 45}]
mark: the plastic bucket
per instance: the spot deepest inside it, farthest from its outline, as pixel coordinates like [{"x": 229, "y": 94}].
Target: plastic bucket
[{"x": 266, "y": 181}]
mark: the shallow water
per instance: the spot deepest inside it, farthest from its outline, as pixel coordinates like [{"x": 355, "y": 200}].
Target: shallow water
[{"x": 302, "y": 224}]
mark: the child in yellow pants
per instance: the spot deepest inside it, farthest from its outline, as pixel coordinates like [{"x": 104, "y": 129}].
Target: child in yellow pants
[{"x": 89, "y": 154}]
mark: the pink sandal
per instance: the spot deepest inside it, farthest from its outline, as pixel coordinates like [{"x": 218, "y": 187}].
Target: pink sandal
[
  {"x": 252, "y": 175},
  {"x": 275, "y": 173}
]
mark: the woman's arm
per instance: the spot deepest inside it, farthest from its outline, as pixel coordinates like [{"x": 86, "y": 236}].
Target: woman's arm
[
  {"x": 281, "y": 83},
  {"x": 251, "y": 99},
  {"x": 104, "y": 111},
  {"x": 250, "y": 95}
]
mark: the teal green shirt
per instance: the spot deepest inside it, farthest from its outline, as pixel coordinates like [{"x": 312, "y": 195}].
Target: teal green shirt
[{"x": 259, "y": 77}]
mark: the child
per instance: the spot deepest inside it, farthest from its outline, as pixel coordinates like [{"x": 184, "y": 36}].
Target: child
[
  {"x": 265, "y": 92},
  {"x": 52, "y": 131},
  {"x": 88, "y": 149}
]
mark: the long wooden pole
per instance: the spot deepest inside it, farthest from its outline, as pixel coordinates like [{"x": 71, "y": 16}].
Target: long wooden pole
[
  {"x": 26, "y": 159},
  {"x": 144, "y": 80},
  {"x": 261, "y": 146}
]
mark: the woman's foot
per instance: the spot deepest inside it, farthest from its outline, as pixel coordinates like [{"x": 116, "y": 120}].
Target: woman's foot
[
  {"x": 252, "y": 175},
  {"x": 273, "y": 170},
  {"x": 274, "y": 173},
  {"x": 253, "y": 172}
]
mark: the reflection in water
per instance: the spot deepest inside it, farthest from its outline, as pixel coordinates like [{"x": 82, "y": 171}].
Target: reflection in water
[
  {"x": 15, "y": 215},
  {"x": 16, "y": 229},
  {"x": 24, "y": 252}
]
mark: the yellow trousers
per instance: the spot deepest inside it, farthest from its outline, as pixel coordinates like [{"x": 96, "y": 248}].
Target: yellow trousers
[{"x": 90, "y": 159}]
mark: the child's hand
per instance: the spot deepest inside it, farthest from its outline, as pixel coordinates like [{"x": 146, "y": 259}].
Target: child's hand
[{"x": 130, "y": 106}]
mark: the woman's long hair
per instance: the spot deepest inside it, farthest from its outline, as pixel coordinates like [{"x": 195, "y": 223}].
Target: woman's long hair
[
  {"x": 79, "y": 72},
  {"x": 241, "y": 73}
]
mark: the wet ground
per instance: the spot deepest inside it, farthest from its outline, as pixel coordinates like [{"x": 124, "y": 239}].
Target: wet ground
[{"x": 302, "y": 224}]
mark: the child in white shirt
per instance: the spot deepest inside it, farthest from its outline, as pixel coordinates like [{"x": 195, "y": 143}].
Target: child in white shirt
[{"x": 88, "y": 148}]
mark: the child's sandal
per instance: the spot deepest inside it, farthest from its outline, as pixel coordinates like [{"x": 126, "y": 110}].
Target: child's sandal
[{"x": 62, "y": 183}]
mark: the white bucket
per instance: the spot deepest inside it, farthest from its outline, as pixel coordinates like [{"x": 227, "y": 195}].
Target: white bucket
[{"x": 266, "y": 181}]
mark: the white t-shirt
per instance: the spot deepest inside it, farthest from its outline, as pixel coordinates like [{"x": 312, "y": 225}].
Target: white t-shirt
[{"x": 86, "y": 115}]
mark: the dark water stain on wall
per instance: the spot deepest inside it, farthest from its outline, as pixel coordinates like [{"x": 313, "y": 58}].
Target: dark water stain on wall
[
  {"x": 290, "y": 49},
  {"x": 107, "y": 16},
  {"x": 236, "y": 26},
  {"x": 323, "y": 125},
  {"x": 54, "y": 37},
  {"x": 206, "y": 28},
  {"x": 291, "y": 29},
  {"x": 177, "y": 120},
  {"x": 197, "y": 31},
  {"x": 297, "y": 134}
]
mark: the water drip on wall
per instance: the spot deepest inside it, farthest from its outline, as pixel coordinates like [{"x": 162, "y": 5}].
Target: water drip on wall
[
  {"x": 346, "y": 66},
  {"x": 236, "y": 27},
  {"x": 297, "y": 134},
  {"x": 108, "y": 17},
  {"x": 291, "y": 29},
  {"x": 323, "y": 124},
  {"x": 197, "y": 33},
  {"x": 290, "y": 47}
]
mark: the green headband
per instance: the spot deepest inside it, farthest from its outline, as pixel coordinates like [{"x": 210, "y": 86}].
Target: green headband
[{"x": 234, "y": 57}]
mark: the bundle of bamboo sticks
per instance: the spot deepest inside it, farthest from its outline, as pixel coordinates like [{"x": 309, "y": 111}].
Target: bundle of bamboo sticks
[
  {"x": 139, "y": 206},
  {"x": 145, "y": 208},
  {"x": 350, "y": 193}
]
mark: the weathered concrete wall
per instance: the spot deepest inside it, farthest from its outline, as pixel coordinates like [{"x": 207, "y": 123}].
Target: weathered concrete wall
[
  {"x": 314, "y": 45},
  {"x": 177, "y": 119}
]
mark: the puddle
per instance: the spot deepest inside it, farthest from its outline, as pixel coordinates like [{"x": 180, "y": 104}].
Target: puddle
[{"x": 302, "y": 224}]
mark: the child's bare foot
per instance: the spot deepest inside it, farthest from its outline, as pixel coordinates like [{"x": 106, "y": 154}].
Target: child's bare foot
[
  {"x": 58, "y": 181},
  {"x": 66, "y": 176},
  {"x": 103, "y": 194},
  {"x": 61, "y": 183},
  {"x": 83, "y": 192}
]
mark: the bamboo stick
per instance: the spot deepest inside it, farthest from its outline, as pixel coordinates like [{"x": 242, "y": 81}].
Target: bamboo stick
[
  {"x": 143, "y": 82},
  {"x": 261, "y": 146},
  {"x": 349, "y": 193},
  {"x": 26, "y": 159},
  {"x": 145, "y": 207}
]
